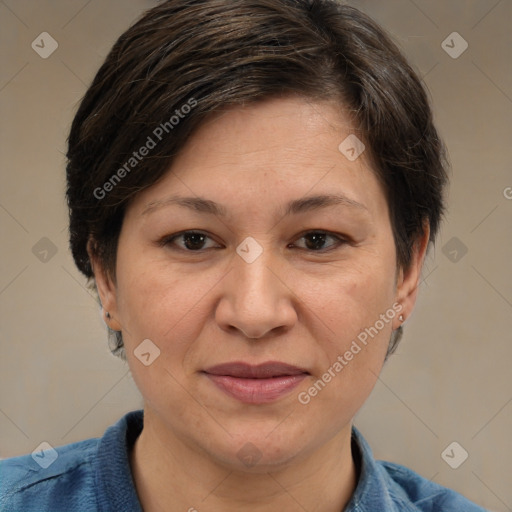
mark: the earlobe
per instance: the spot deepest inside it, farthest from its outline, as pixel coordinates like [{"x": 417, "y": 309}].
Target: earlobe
[
  {"x": 409, "y": 278},
  {"x": 106, "y": 289}
]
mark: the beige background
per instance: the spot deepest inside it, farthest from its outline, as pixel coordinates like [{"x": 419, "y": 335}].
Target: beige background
[{"x": 451, "y": 378}]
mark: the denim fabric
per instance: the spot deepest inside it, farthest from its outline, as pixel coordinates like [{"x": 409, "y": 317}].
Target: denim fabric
[{"x": 94, "y": 475}]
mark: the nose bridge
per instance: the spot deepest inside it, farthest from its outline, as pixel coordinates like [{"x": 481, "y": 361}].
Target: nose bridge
[
  {"x": 254, "y": 276},
  {"x": 256, "y": 299}
]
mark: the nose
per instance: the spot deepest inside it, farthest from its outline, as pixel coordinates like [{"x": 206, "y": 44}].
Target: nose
[{"x": 256, "y": 299}]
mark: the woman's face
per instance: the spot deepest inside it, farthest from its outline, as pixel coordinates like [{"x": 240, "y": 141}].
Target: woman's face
[{"x": 262, "y": 282}]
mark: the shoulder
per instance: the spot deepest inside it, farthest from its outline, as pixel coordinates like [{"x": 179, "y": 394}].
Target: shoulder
[
  {"x": 92, "y": 475},
  {"x": 409, "y": 489},
  {"x": 60, "y": 478},
  {"x": 391, "y": 487}
]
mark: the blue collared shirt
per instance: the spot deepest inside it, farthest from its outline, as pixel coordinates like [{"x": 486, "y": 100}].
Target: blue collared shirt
[{"x": 95, "y": 475}]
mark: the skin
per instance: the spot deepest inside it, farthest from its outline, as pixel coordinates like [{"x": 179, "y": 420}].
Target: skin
[{"x": 295, "y": 303}]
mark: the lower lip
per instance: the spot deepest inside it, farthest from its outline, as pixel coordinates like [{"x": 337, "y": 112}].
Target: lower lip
[{"x": 257, "y": 391}]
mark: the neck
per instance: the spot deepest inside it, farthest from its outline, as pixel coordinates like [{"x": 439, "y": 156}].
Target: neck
[{"x": 171, "y": 476}]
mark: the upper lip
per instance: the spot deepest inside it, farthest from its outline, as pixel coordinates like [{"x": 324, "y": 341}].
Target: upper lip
[{"x": 260, "y": 371}]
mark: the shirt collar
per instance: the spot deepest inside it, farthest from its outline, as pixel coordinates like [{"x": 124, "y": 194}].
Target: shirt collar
[
  {"x": 374, "y": 486},
  {"x": 114, "y": 480},
  {"x": 116, "y": 487}
]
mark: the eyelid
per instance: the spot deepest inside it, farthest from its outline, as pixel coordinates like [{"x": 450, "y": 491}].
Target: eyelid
[
  {"x": 340, "y": 240},
  {"x": 168, "y": 239}
]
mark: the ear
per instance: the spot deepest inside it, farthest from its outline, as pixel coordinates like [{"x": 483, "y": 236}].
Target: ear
[
  {"x": 106, "y": 288},
  {"x": 409, "y": 279}
]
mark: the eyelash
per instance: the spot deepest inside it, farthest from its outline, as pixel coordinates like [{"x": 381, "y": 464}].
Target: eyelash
[{"x": 169, "y": 239}]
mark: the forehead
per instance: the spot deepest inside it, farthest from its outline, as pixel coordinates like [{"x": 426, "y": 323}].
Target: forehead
[{"x": 266, "y": 154}]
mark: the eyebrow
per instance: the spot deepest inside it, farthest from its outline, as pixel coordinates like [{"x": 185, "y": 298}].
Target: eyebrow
[{"x": 302, "y": 205}]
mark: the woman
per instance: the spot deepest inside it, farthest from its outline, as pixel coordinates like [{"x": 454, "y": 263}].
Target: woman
[{"x": 252, "y": 188}]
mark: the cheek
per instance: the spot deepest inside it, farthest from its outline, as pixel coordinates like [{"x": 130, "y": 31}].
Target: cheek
[
  {"x": 352, "y": 299},
  {"x": 155, "y": 303},
  {"x": 162, "y": 308},
  {"x": 172, "y": 304},
  {"x": 358, "y": 314},
  {"x": 168, "y": 304}
]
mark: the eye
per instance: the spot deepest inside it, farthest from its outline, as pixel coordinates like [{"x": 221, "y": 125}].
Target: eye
[
  {"x": 193, "y": 241},
  {"x": 316, "y": 240}
]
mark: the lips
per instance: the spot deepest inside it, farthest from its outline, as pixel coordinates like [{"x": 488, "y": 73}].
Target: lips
[
  {"x": 256, "y": 384},
  {"x": 261, "y": 371}
]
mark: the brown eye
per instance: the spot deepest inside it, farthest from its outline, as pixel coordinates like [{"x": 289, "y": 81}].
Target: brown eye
[
  {"x": 315, "y": 241},
  {"x": 192, "y": 241}
]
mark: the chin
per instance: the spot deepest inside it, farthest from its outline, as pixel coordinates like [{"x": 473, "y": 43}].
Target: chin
[{"x": 263, "y": 449}]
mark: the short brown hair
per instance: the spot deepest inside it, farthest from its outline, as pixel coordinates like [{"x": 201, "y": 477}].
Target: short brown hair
[{"x": 218, "y": 53}]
